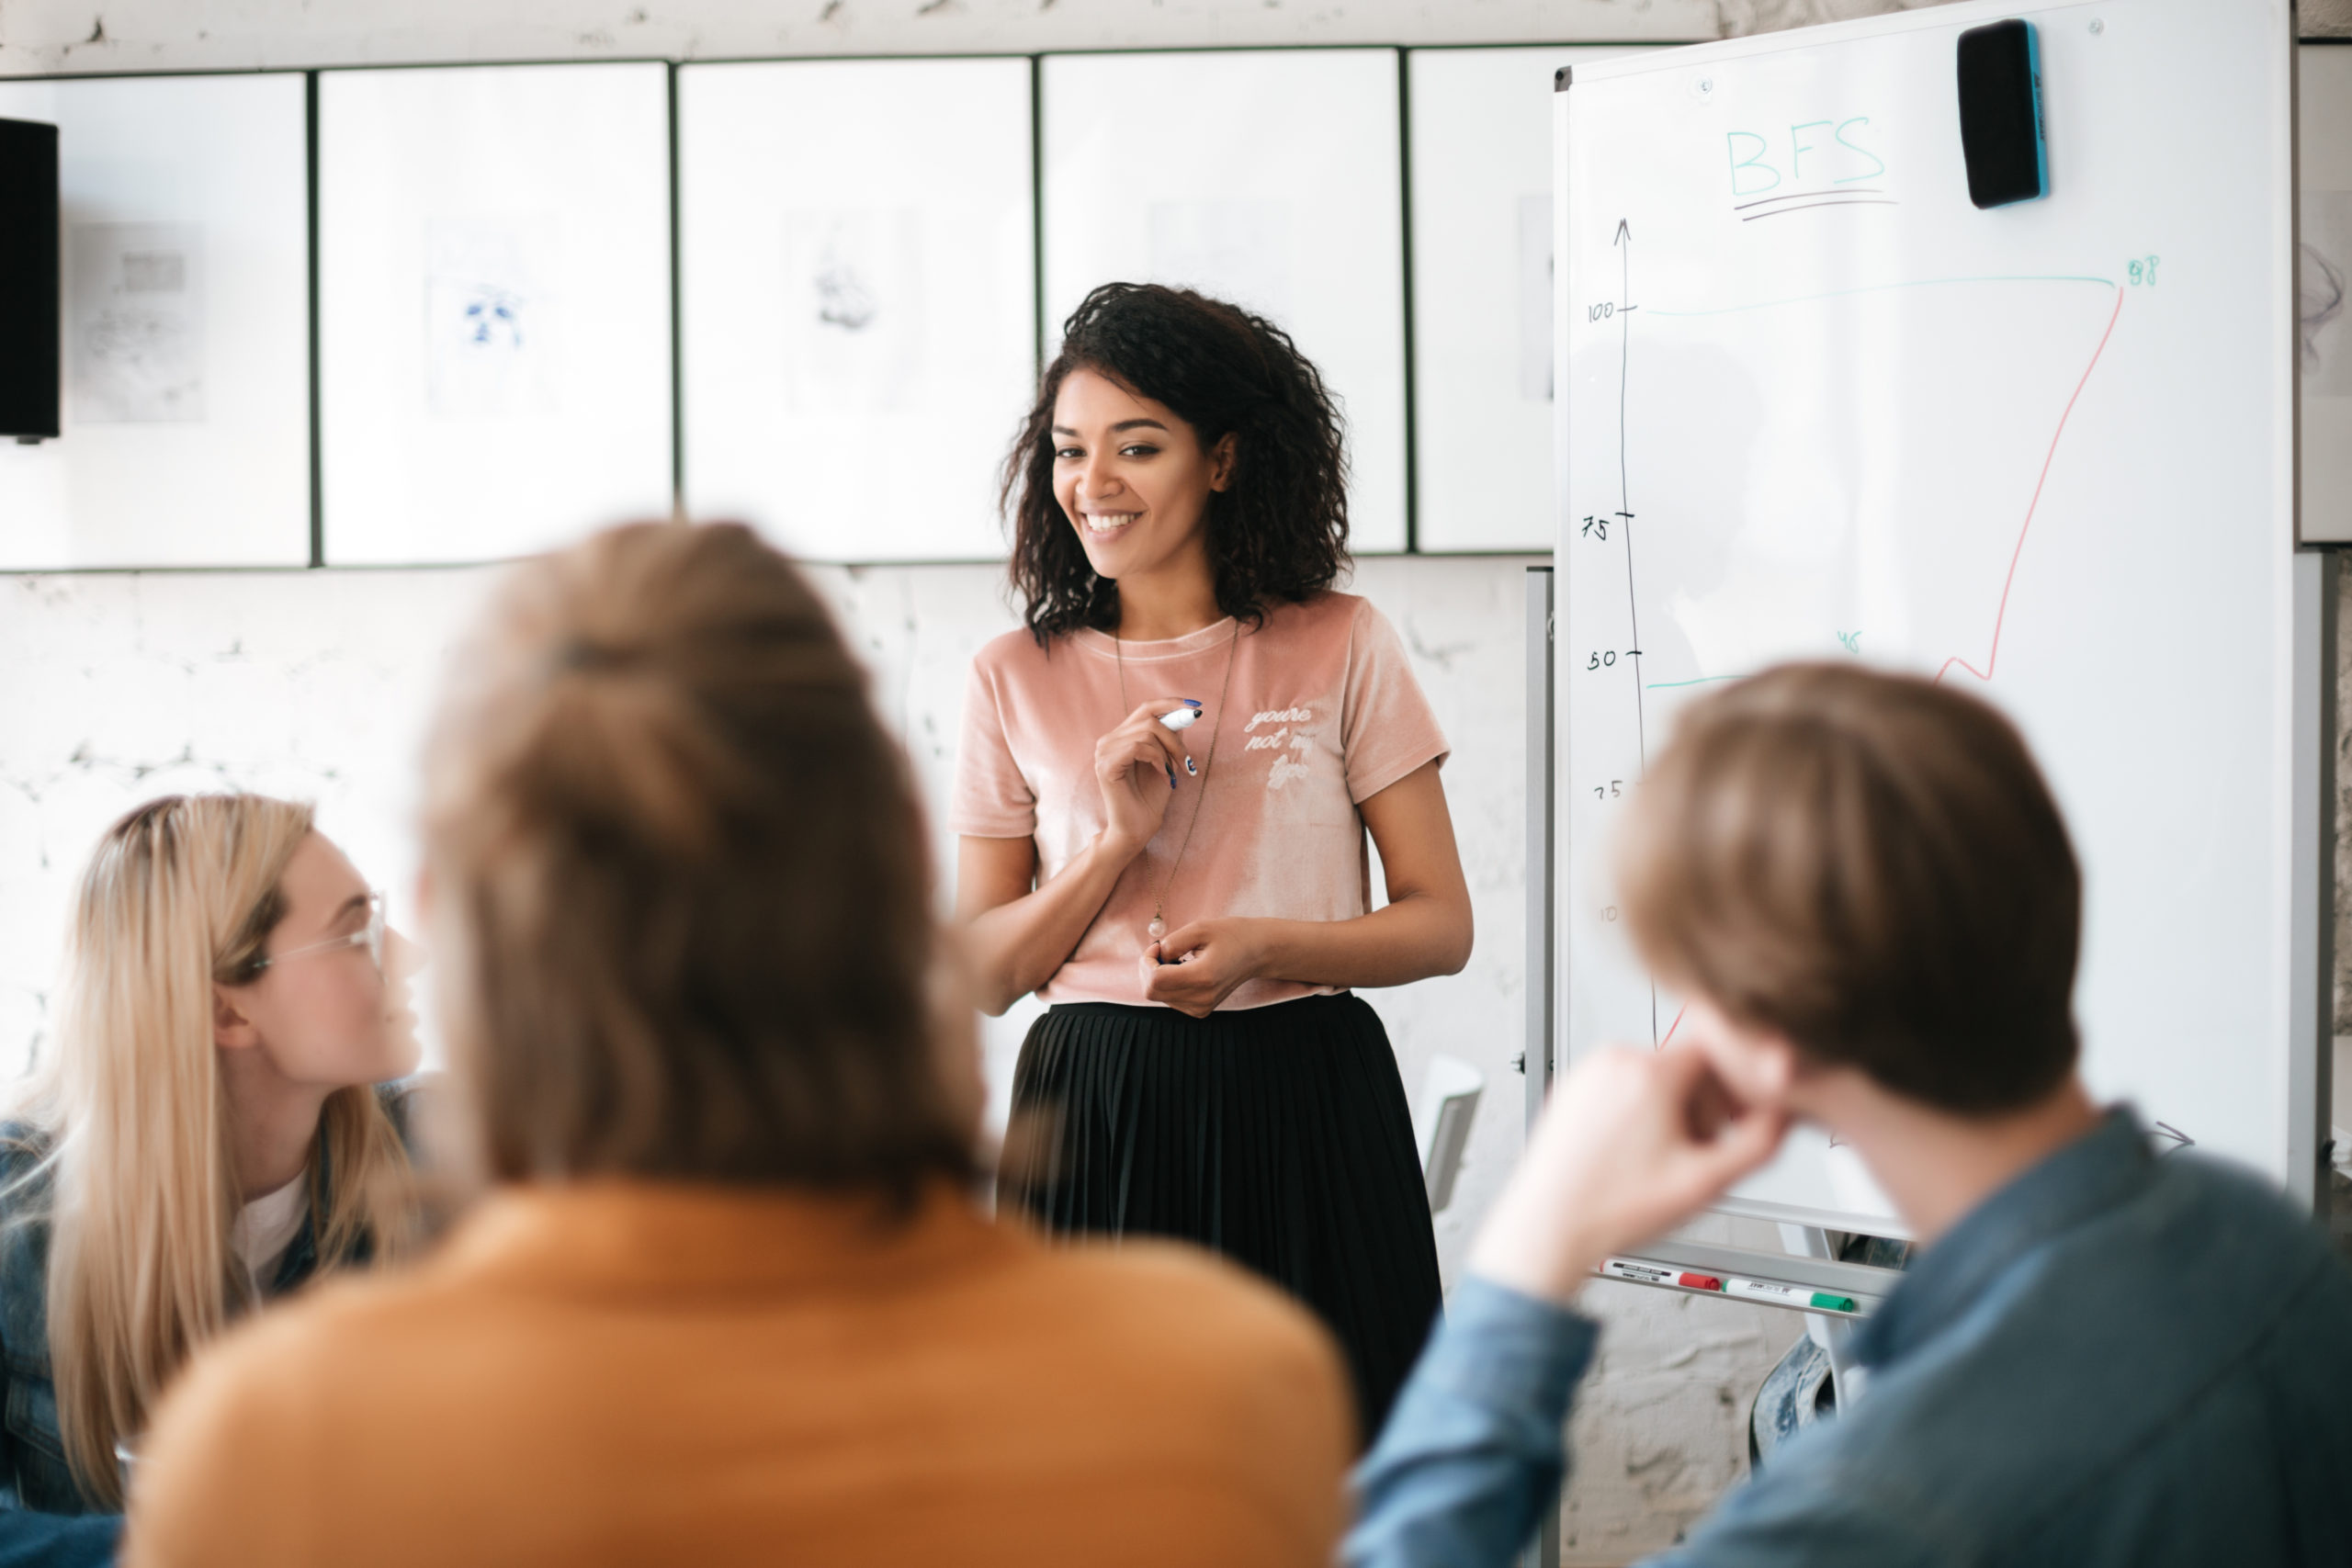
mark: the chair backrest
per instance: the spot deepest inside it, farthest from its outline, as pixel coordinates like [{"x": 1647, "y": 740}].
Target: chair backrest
[{"x": 1450, "y": 1091}]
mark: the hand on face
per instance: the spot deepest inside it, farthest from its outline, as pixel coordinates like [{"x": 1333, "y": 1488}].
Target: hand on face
[
  {"x": 1198, "y": 966},
  {"x": 1136, "y": 766},
  {"x": 1131, "y": 476},
  {"x": 1633, "y": 1142},
  {"x": 326, "y": 1018}
]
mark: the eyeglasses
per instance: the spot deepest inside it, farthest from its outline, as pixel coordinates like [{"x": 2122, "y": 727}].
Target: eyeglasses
[{"x": 371, "y": 938}]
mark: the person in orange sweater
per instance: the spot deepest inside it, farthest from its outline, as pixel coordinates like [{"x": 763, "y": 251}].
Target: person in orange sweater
[{"x": 731, "y": 1297}]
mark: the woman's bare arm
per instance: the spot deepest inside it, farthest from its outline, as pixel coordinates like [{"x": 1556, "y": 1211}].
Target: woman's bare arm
[{"x": 1016, "y": 934}]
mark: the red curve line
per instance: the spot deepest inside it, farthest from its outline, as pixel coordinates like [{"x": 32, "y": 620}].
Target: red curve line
[
  {"x": 1675, "y": 1025},
  {"x": 1994, "y": 658}
]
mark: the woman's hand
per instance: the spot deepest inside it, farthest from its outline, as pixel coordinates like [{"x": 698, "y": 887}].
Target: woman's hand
[
  {"x": 1633, "y": 1142},
  {"x": 1135, "y": 766},
  {"x": 1205, "y": 962}
]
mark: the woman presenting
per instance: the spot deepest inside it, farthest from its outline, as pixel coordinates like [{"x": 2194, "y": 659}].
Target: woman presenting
[{"x": 1193, "y": 898}]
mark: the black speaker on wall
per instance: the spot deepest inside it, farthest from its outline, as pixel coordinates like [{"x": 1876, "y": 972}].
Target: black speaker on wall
[{"x": 28, "y": 284}]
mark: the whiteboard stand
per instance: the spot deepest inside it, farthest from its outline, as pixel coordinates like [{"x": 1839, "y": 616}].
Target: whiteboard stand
[
  {"x": 1536, "y": 1062},
  {"x": 1834, "y": 1336},
  {"x": 2311, "y": 1059}
]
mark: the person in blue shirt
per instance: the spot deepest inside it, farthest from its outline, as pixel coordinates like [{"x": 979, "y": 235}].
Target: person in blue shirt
[{"x": 2102, "y": 1354}]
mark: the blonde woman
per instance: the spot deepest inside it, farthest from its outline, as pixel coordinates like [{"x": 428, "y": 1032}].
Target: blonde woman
[{"x": 203, "y": 1134}]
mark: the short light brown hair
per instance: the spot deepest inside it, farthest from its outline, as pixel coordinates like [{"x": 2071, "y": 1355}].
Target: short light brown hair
[
  {"x": 1872, "y": 865},
  {"x": 682, "y": 871}
]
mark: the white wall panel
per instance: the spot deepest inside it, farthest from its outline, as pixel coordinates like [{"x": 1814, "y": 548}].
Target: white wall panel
[
  {"x": 1272, "y": 178},
  {"x": 494, "y": 306},
  {"x": 1481, "y": 156},
  {"x": 184, "y": 232},
  {"x": 858, "y": 285}
]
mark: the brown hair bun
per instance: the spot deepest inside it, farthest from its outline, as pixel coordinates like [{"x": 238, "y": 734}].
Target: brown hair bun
[{"x": 684, "y": 871}]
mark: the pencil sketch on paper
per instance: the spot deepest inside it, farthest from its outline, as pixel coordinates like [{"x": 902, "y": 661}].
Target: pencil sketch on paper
[
  {"x": 489, "y": 324},
  {"x": 855, "y": 338},
  {"x": 1237, "y": 251},
  {"x": 1535, "y": 296},
  {"x": 137, "y": 346},
  {"x": 2322, "y": 280}
]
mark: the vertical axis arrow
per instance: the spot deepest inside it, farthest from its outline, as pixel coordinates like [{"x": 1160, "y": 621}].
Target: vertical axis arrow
[{"x": 1624, "y": 240}]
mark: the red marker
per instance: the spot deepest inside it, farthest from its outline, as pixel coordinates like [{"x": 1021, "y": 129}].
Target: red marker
[{"x": 1652, "y": 1274}]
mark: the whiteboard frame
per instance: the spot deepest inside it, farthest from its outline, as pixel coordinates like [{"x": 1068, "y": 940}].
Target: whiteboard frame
[{"x": 2305, "y": 686}]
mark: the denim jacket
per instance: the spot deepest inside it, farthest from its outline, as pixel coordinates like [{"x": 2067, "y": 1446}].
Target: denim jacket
[
  {"x": 2118, "y": 1359},
  {"x": 32, "y": 1452}
]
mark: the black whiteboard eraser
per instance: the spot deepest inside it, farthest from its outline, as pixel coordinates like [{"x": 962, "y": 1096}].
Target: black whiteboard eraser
[{"x": 2000, "y": 114}]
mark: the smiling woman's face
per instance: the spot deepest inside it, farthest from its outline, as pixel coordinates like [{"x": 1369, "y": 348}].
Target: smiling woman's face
[
  {"x": 331, "y": 1017},
  {"x": 1132, "y": 476}
]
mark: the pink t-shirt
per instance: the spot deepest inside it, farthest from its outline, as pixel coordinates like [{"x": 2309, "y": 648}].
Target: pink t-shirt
[{"x": 1324, "y": 714}]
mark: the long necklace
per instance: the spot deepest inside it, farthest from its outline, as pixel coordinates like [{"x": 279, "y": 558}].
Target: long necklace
[{"x": 1159, "y": 926}]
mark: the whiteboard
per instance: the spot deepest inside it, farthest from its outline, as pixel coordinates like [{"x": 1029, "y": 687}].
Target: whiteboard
[
  {"x": 2323, "y": 285},
  {"x": 493, "y": 307},
  {"x": 2044, "y": 453},
  {"x": 1269, "y": 178},
  {"x": 186, "y": 429},
  {"x": 1481, "y": 165},
  {"x": 858, "y": 288}
]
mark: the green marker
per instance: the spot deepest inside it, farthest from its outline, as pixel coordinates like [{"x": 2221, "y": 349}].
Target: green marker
[{"x": 1788, "y": 1295}]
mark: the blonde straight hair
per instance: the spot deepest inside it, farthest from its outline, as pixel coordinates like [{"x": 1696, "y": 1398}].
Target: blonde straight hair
[{"x": 180, "y": 896}]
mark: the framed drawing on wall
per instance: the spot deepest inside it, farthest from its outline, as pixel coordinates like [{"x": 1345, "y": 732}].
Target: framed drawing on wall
[
  {"x": 2323, "y": 286},
  {"x": 1269, "y": 178},
  {"x": 493, "y": 307},
  {"x": 857, "y": 288},
  {"x": 184, "y": 232},
  {"x": 1481, "y": 165}
]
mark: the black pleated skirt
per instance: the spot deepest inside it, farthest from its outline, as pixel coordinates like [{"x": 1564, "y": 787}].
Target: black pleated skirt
[{"x": 1278, "y": 1136}]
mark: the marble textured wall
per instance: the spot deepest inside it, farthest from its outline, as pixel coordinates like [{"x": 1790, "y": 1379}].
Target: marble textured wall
[
  {"x": 2316, "y": 18},
  {"x": 39, "y": 36}
]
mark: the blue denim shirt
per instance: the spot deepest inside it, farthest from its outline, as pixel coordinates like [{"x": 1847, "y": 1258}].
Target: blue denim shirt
[
  {"x": 2117, "y": 1358},
  {"x": 35, "y": 1481}
]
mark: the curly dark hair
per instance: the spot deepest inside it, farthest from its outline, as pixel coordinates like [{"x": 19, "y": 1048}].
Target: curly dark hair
[{"x": 1277, "y": 534}]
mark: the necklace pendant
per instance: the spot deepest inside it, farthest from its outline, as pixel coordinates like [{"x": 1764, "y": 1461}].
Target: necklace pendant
[{"x": 1157, "y": 929}]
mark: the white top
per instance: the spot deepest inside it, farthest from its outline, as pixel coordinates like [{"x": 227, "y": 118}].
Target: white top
[{"x": 266, "y": 1227}]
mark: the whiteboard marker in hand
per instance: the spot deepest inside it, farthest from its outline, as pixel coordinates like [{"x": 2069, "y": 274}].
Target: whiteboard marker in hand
[{"x": 1179, "y": 720}]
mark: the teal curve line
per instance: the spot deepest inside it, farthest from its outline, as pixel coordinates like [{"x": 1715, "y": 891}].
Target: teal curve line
[
  {"x": 1882, "y": 288},
  {"x": 1662, "y": 685}
]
